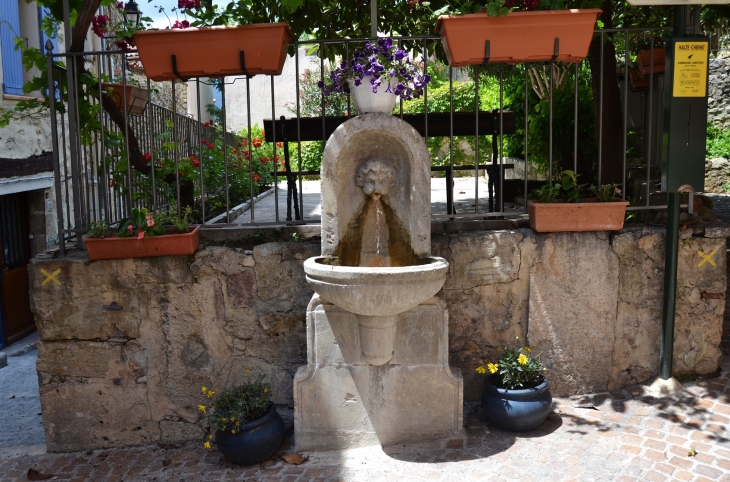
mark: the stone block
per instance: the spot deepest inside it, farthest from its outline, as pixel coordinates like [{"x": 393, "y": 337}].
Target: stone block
[
  {"x": 176, "y": 432},
  {"x": 78, "y": 359},
  {"x": 3, "y": 360},
  {"x": 96, "y": 414},
  {"x": 573, "y": 299}
]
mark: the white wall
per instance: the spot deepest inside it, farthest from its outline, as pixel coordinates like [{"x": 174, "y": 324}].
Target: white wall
[{"x": 260, "y": 86}]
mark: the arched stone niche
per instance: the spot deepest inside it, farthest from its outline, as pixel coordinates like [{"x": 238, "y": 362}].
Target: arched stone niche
[{"x": 392, "y": 141}]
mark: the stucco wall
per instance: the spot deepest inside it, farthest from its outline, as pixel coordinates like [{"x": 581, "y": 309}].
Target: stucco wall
[{"x": 590, "y": 303}]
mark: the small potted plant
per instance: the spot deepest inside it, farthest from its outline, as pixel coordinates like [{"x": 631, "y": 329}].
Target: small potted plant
[
  {"x": 516, "y": 395},
  {"x": 517, "y": 32},
  {"x": 208, "y": 47},
  {"x": 562, "y": 207},
  {"x": 376, "y": 75},
  {"x": 248, "y": 429},
  {"x": 143, "y": 234}
]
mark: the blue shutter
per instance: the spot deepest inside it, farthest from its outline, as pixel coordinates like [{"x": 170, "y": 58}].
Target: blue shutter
[
  {"x": 44, "y": 12},
  {"x": 12, "y": 59}
]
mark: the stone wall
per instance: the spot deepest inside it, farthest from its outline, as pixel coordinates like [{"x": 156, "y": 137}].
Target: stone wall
[
  {"x": 590, "y": 303},
  {"x": 718, "y": 108}
]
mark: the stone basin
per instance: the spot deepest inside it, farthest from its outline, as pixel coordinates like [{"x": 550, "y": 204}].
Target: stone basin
[{"x": 376, "y": 291}]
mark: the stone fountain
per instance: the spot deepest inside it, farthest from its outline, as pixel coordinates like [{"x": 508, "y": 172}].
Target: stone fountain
[{"x": 377, "y": 337}]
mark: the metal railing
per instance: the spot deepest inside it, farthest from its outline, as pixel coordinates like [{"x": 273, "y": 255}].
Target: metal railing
[{"x": 94, "y": 178}]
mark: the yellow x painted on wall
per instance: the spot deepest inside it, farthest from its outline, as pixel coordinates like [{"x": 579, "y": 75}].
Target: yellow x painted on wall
[
  {"x": 706, "y": 258},
  {"x": 51, "y": 276}
]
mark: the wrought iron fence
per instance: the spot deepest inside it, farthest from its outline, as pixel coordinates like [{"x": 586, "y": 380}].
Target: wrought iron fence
[{"x": 567, "y": 126}]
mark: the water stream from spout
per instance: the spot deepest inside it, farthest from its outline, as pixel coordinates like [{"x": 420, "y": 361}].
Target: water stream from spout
[{"x": 377, "y": 226}]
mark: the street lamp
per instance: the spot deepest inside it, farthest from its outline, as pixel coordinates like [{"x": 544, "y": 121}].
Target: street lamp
[{"x": 131, "y": 13}]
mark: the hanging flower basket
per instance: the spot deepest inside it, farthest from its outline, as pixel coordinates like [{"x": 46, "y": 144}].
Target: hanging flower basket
[
  {"x": 557, "y": 217},
  {"x": 136, "y": 97},
  {"x": 518, "y": 36},
  {"x": 643, "y": 61},
  {"x": 166, "y": 245},
  {"x": 213, "y": 51}
]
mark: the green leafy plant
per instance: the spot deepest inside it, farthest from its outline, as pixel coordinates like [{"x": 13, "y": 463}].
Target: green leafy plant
[
  {"x": 98, "y": 229},
  {"x": 607, "y": 192},
  {"x": 232, "y": 408},
  {"x": 567, "y": 189},
  {"x": 516, "y": 367},
  {"x": 142, "y": 223},
  {"x": 718, "y": 142}
]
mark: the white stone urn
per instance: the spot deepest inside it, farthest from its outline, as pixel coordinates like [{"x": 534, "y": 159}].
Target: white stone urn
[{"x": 366, "y": 101}]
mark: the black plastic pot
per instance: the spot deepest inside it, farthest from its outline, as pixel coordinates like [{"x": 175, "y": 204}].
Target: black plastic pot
[
  {"x": 516, "y": 410},
  {"x": 256, "y": 441}
]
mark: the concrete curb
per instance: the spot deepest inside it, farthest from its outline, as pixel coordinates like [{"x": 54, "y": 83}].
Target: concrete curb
[{"x": 240, "y": 209}]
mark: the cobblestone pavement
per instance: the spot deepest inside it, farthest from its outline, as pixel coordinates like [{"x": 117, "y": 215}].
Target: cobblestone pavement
[
  {"x": 20, "y": 407},
  {"x": 622, "y": 436}
]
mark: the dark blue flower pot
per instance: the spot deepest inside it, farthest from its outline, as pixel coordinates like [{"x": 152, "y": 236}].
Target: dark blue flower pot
[
  {"x": 256, "y": 441},
  {"x": 516, "y": 410}
]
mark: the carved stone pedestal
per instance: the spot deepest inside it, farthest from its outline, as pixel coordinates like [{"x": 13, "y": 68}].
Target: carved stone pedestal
[{"x": 342, "y": 401}]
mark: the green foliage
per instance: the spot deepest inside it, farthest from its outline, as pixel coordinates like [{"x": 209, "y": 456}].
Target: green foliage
[
  {"x": 567, "y": 189},
  {"x": 142, "y": 223},
  {"x": 311, "y": 97},
  {"x": 98, "y": 229},
  {"x": 563, "y": 127},
  {"x": 232, "y": 408},
  {"x": 718, "y": 142},
  {"x": 516, "y": 367}
]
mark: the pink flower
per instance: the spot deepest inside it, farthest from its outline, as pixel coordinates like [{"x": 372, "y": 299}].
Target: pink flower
[
  {"x": 130, "y": 228},
  {"x": 150, "y": 223},
  {"x": 181, "y": 25},
  {"x": 185, "y": 4},
  {"x": 140, "y": 234}
]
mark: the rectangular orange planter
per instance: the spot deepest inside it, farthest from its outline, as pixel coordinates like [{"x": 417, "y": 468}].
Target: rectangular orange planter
[
  {"x": 586, "y": 216},
  {"x": 165, "y": 245},
  {"x": 213, "y": 51},
  {"x": 518, "y": 36},
  {"x": 136, "y": 97}
]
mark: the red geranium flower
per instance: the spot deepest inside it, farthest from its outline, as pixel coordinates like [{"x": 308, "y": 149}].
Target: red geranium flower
[
  {"x": 257, "y": 142},
  {"x": 279, "y": 145},
  {"x": 196, "y": 163},
  {"x": 256, "y": 177}
]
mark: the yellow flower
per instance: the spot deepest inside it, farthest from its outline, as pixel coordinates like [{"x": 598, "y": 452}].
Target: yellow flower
[
  {"x": 233, "y": 432},
  {"x": 522, "y": 359},
  {"x": 223, "y": 420},
  {"x": 248, "y": 371},
  {"x": 527, "y": 349},
  {"x": 238, "y": 424},
  {"x": 481, "y": 370},
  {"x": 207, "y": 445},
  {"x": 233, "y": 419},
  {"x": 266, "y": 389},
  {"x": 210, "y": 393},
  {"x": 210, "y": 437},
  {"x": 492, "y": 367},
  {"x": 201, "y": 408},
  {"x": 204, "y": 390}
]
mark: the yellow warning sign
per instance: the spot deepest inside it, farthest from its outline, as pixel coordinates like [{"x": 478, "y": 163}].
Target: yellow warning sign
[{"x": 690, "y": 69}]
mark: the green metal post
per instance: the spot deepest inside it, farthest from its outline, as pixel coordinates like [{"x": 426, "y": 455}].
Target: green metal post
[
  {"x": 670, "y": 285},
  {"x": 672, "y": 245}
]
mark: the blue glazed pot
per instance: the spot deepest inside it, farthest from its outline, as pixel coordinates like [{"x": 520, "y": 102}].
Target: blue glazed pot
[
  {"x": 256, "y": 441},
  {"x": 516, "y": 410}
]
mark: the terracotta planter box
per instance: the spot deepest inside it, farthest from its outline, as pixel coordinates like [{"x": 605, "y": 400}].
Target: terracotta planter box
[
  {"x": 518, "y": 36},
  {"x": 213, "y": 51},
  {"x": 165, "y": 245},
  {"x": 136, "y": 97},
  {"x": 586, "y": 216},
  {"x": 643, "y": 61}
]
